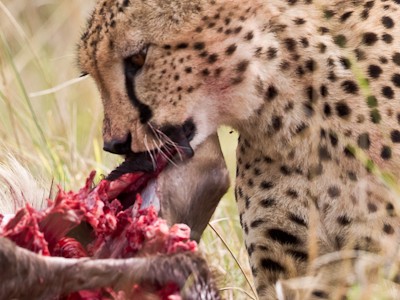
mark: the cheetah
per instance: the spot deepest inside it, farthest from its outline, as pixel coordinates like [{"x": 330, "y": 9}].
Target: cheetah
[{"x": 312, "y": 87}]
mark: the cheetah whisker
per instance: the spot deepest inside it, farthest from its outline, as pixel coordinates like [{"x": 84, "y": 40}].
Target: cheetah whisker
[{"x": 153, "y": 161}]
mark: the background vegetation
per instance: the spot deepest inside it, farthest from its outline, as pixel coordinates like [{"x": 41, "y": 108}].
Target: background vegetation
[{"x": 50, "y": 120}]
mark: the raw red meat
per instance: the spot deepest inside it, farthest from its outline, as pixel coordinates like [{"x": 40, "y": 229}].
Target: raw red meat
[{"x": 115, "y": 232}]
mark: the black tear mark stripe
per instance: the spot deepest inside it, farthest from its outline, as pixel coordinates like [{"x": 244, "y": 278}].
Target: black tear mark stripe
[{"x": 145, "y": 112}]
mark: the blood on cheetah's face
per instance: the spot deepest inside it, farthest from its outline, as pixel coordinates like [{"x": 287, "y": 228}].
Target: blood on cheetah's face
[{"x": 162, "y": 65}]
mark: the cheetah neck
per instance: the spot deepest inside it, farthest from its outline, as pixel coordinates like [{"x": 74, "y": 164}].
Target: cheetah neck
[{"x": 312, "y": 103}]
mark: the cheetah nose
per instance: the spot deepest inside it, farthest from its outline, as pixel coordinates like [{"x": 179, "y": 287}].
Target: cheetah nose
[{"x": 118, "y": 146}]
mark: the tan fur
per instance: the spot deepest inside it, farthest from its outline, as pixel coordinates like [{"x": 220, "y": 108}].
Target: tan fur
[
  {"x": 286, "y": 75},
  {"x": 191, "y": 191}
]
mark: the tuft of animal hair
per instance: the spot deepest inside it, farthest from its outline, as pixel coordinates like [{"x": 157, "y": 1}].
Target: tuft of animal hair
[{"x": 19, "y": 187}]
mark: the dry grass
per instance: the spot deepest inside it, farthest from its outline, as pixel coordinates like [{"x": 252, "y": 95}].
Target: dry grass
[{"x": 57, "y": 132}]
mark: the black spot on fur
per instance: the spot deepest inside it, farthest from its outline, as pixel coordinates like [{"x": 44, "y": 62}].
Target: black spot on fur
[
  {"x": 250, "y": 249},
  {"x": 272, "y": 266},
  {"x": 283, "y": 237},
  {"x": 268, "y": 202},
  {"x": 388, "y": 229},
  {"x": 231, "y": 49},
  {"x": 345, "y": 16},
  {"x": 271, "y": 93},
  {"x": 182, "y": 46},
  {"x": 327, "y": 110},
  {"x": 342, "y": 109},
  {"x": 268, "y": 160},
  {"x": 372, "y": 207},
  {"x": 328, "y": 14},
  {"x": 395, "y": 136},
  {"x": 311, "y": 65},
  {"x": 390, "y": 209},
  {"x": 320, "y": 294},
  {"x": 333, "y": 138},
  {"x": 238, "y": 29},
  {"x": 299, "y": 21},
  {"x": 324, "y": 154},
  {"x": 388, "y": 92},
  {"x": 212, "y": 58},
  {"x": 386, "y": 153},
  {"x": 396, "y": 79},
  {"x": 350, "y": 87},
  {"x": 272, "y": 52},
  {"x": 257, "y": 223},
  {"x": 285, "y": 170},
  {"x": 199, "y": 46},
  {"x": 344, "y": 220},
  {"x": 374, "y": 71},
  {"x": 387, "y": 22},
  {"x": 396, "y": 58},
  {"x": 304, "y": 41},
  {"x": 290, "y": 44},
  {"x": 387, "y": 38},
  {"x": 249, "y": 36},
  {"x": 298, "y": 220},
  {"x": 301, "y": 128},
  {"x": 242, "y": 66},
  {"x": 323, "y": 30},
  {"x": 292, "y": 193},
  {"x": 322, "y": 47},
  {"x": 266, "y": 185},
  {"x": 334, "y": 191},
  {"x": 352, "y": 176},
  {"x": 370, "y": 38},
  {"x": 277, "y": 123},
  {"x": 205, "y": 72},
  {"x": 299, "y": 255}
]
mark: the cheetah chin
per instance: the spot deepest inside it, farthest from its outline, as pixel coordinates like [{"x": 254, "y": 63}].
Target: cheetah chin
[{"x": 155, "y": 161}]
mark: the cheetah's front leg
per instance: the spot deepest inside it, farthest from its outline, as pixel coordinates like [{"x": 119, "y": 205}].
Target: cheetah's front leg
[{"x": 274, "y": 212}]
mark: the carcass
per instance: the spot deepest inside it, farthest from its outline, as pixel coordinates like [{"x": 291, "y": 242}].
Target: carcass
[{"x": 121, "y": 239}]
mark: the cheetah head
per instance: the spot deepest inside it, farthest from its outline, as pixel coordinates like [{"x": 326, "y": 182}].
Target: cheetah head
[{"x": 169, "y": 69}]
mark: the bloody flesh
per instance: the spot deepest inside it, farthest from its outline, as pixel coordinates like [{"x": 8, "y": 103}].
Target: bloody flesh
[{"x": 115, "y": 230}]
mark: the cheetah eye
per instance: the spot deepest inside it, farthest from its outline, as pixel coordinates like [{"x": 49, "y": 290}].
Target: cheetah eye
[{"x": 135, "y": 62}]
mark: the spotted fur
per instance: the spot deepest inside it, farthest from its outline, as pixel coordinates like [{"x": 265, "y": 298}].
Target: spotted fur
[{"x": 313, "y": 88}]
